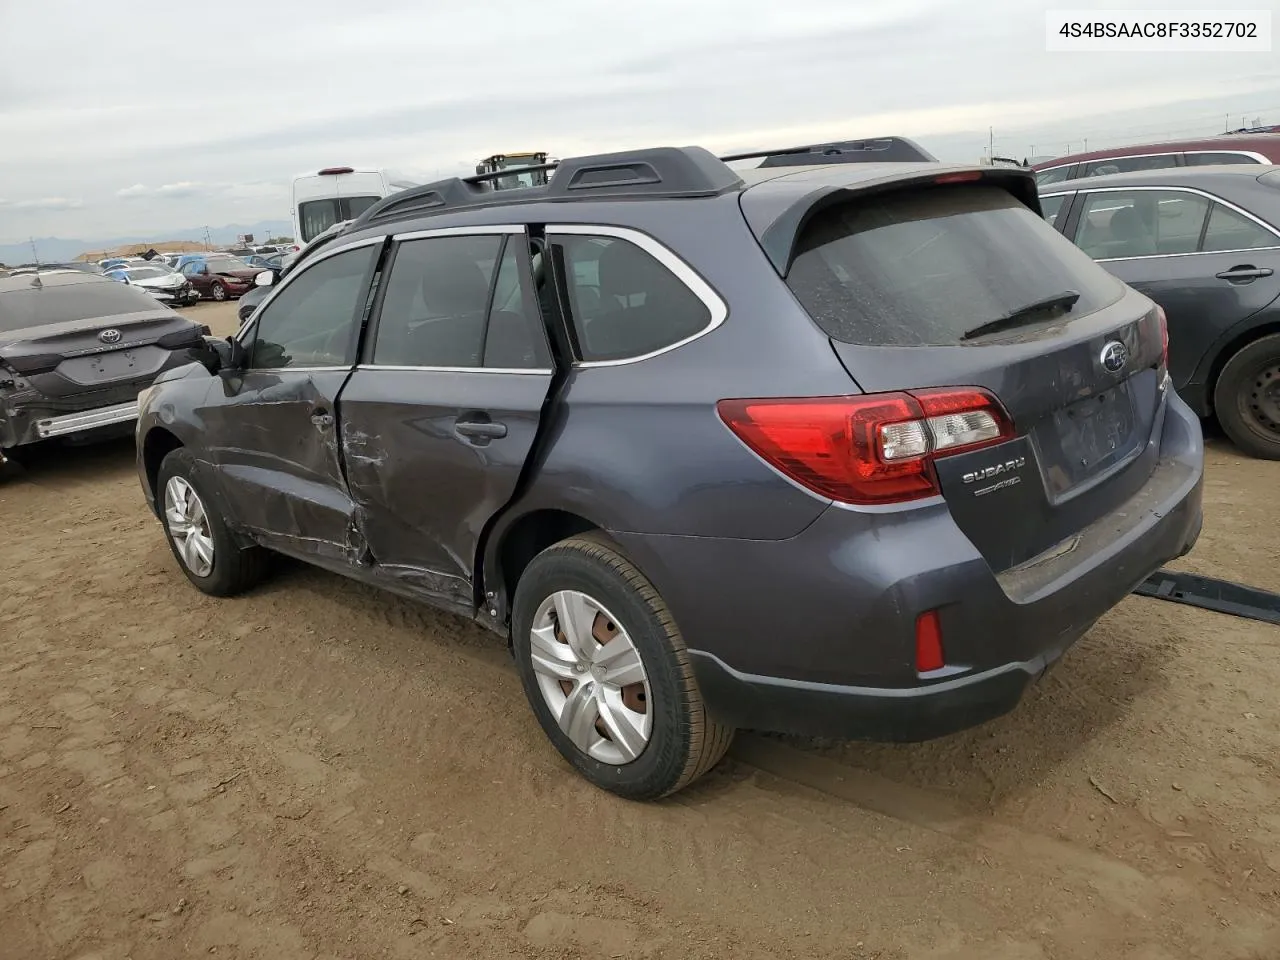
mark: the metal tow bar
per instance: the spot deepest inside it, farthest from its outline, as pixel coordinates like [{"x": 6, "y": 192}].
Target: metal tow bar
[{"x": 1223, "y": 596}]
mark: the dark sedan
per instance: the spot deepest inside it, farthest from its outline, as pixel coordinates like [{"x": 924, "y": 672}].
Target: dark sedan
[
  {"x": 76, "y": 349},
  {"x": 1204, "y": 243},
  {"x": 220, "y": 278}
]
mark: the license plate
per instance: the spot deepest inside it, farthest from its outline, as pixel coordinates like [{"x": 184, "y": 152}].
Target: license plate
[{"x": 1097, "y": 429}]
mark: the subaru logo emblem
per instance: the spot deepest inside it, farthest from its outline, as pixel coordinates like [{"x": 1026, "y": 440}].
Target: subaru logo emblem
[
  {"x": 111, "y": 335},
  {"x": 1114, "y": 356}
]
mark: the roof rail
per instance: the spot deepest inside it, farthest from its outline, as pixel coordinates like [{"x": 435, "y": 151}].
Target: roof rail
[
  {"x": 672, "y": 172},
  {"x": 877, "y": 150}
]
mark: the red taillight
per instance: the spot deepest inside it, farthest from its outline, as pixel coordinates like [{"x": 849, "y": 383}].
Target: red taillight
[
  {"x": 334, "y": 171},
  {"x": 1164, "y": 338},
  {"x": 877, "y": 448},
  {"x": 967, "y": 177},
  {"x": 929, "y": 643}
]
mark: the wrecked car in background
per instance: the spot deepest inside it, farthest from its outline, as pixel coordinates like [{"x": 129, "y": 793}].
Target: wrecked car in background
[{"x": 75, "y": 350}]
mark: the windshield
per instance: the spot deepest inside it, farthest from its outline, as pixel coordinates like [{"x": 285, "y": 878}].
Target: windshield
[
  {"x": 148, "y": 273},
  {"x": 224, "y": 264},
  {"x": 36, "y": 306},
  {"x": 923, "y": 266}
]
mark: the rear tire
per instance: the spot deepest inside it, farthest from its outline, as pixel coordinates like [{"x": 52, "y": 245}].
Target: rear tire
[
  {"x": 1246, "y": 398},
  {"x": 677, "y": 739},
  {"x": 218, "y": 292},
  {"x": 199, "y": 538}
]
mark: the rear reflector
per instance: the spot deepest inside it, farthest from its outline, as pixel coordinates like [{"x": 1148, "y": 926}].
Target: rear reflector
[
  {"x": 871, "y": 449},
  {"x": 929, "y": 643}
]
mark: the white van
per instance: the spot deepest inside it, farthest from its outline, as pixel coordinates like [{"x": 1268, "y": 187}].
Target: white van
[{"x": 335, "y": 194}]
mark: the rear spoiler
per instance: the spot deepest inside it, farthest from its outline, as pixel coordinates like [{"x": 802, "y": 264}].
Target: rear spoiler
[
  {"x": 877, "y": 150},
  {"x": 783, "y": 208}
]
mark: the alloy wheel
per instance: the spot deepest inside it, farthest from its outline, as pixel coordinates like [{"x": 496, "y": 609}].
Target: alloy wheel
[
  {"x": 188, "y": 526},
  {"x": 591, "y": 676}
]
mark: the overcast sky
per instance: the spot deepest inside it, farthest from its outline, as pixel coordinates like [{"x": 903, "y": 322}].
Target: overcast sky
[{"x": 121, "y": 119}]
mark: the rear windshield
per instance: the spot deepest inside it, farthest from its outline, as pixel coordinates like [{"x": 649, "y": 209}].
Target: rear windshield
[
  {"x": 35, "y": 306},
  {"x": 922, "y": 267}
]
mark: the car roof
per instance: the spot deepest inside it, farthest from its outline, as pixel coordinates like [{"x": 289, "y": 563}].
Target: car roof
[
  {"x": 1166, "y": 176},
  {"x": 1266, "y": 143}
]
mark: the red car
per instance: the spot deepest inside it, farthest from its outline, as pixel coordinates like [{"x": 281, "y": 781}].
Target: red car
[
  {"x": 220, "y": 278},
  {"x": 1227, "y": 148}
]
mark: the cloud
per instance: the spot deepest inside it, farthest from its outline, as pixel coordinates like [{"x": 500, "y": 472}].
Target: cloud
[
  {"x": 49, "y": 203},
  {"x": 168, "y": 191}
]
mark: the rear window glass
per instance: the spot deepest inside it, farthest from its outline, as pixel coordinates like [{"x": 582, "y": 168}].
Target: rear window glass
[
  {"x": 922, "y": 267},
  {"x": 34, "y": 307}
]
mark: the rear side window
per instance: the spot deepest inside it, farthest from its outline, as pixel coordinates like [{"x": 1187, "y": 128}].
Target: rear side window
[
  {"x": 922, "y": 267},
  {"x": 623, "y": 301},
  {"x": 1209, "y": 159},
  {"x": 1052, "y": 206},
  {"x": 1053, "y": 175},
  {"x": 1100, "y": 168},
  {"x": 1229, "y": 230}
]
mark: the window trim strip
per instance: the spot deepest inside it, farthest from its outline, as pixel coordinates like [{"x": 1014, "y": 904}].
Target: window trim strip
[{"x": 716, "y": 306}]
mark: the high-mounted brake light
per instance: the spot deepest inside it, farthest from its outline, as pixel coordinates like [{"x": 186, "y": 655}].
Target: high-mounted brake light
[
  {"x": 334, "y": 171},
  {"x": 966, "y": 177},
  {"x": 877, "y": 448}
]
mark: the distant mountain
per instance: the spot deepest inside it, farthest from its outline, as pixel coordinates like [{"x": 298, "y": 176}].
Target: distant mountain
[{"x": 56, "y": 249}]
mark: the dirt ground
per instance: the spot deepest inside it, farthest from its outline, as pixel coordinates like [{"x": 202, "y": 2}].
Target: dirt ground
[{"x": 318, "y": 770}]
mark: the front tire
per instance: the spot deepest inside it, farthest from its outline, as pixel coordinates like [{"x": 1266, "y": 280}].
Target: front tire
[
  {"x": 199, "y": 538},
  {"x": 218, "y": 292},
  {"x": 607, "y": 673},
  {"x": 1246, "y": 398}
]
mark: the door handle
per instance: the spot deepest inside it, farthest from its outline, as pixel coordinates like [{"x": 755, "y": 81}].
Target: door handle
[
  {"x": 322, "y": 419},
  {"x": 1244, "y": 273},
  {"x": 480, "y": 430}
]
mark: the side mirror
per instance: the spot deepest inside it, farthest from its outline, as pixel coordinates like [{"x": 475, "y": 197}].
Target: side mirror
[
  {"x": 265, "y": 279},
  {"x": 228, "y": 354}
]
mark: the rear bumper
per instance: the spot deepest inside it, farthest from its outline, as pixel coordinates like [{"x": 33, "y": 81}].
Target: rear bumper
[{"x": 816, "y": 635}]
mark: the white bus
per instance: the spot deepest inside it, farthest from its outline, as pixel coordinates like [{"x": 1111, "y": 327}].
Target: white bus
[{"x": 335, "y": 194}]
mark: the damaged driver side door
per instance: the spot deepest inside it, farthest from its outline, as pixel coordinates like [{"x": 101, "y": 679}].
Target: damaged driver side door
[{"x": 272, "y": 429}]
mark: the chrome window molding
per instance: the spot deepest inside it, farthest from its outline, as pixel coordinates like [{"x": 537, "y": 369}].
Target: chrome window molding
[
  {"x": 496, "y": 229},
  {"x": 1252, "y": 155},
  {"x": 716, "y": 306},
  {"x": 1204, "y": 194},
  {"x": 406, "y": 368}
]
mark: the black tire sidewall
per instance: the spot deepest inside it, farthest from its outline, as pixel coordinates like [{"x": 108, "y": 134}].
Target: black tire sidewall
[
  {"x": 213, "y": 291},
  {"x": 224, "y": 578},
  {"x": 661, "y": 764},
  {"x": 1233, "y": 381}
]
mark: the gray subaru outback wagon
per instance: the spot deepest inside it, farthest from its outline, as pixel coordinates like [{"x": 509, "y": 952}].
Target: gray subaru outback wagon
[{"x": 848, "y": 449}]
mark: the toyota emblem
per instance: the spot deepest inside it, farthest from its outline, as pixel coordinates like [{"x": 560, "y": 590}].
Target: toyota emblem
[
  {"x": 111, "y": 335},
  {"x": 1114, "y": 356}
]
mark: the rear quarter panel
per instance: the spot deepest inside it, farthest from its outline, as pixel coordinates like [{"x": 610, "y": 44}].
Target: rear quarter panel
[{"x": 639, "y": 447}]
